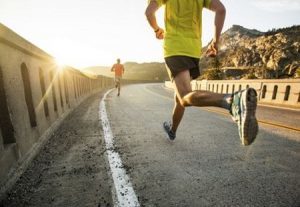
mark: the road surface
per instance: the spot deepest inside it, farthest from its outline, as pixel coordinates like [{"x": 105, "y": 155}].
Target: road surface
[{"x": 205, "y": 166}]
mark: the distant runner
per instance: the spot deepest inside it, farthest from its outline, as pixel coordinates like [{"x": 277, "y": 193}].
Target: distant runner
[
  {"x": 182, "y": 51},
  {"x": 118, "y": 68}
]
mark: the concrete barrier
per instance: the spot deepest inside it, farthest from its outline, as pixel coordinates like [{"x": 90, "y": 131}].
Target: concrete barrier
[
  {"x": 35, "y": 96},
  {"x": 285, "y": 92}
]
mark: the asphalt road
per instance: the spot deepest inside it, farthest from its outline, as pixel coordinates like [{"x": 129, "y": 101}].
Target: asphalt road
[{"x": 205, "y": 166}]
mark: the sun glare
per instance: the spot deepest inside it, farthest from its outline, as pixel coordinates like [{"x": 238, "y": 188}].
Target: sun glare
[{"x": 60, "y": 63}]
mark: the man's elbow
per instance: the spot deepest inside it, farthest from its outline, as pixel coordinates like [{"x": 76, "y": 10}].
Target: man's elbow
[
  {"x": 148, "y": 13},
  {"x": 151, "y": 9},
  {"x": 221, "y": 9}
]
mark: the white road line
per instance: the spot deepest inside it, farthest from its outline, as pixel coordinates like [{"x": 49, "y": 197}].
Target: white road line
[{"x": 125, "y": 194}]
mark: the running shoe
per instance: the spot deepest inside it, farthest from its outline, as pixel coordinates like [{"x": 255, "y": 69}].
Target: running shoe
[
  {"x": 243, "y": 110},
  {"x": 167, "y": 127}
]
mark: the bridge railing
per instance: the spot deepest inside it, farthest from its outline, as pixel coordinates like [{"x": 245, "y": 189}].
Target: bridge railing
[
  {"x": 35, "y": 95},
  {"x": 285, "y": 92}
]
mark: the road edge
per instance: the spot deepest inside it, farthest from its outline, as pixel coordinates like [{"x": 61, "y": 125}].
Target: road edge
[{"x": 122, "y": 190}]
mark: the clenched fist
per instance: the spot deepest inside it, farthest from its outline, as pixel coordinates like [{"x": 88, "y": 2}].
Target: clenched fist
[
  {"x": 212, "y": 50},
  {"x": 159, "y": 33}
]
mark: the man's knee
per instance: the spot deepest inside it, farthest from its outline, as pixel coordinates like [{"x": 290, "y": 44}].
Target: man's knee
[
  {"x": 183, "y": 100},
  {"x": 186, "y": 101}
]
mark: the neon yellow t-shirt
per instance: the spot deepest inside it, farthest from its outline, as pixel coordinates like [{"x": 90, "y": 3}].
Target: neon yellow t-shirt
[{"x": 183, "y": 22}]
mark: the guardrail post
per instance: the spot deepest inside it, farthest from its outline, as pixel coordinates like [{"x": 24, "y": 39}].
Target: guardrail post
[
  {"x": 1, "y": 142},
  {"x": 7, "y": 130}
]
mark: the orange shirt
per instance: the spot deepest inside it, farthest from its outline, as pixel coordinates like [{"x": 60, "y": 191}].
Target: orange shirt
[{"x": 119, "y": 69}]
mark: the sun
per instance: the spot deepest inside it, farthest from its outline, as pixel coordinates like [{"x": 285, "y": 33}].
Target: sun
[{"x": 60, "y": 63}]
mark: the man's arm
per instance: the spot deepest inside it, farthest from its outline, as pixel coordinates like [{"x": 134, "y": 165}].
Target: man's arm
[
  {"x": 112, "y": 68},
  {"x": 150, "y": 14},
  {"x": 220, "y": 13}
]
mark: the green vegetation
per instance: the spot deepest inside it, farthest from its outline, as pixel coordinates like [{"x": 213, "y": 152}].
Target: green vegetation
[
  {"x": 298, "y": 73},
  {"x": 212, "y": 74},
  {"x": 294, "y": 29},
  {"x": 251, "y": 75}
]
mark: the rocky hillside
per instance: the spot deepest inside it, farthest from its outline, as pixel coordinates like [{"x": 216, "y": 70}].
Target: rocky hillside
[{"x": 272, "y": 54}]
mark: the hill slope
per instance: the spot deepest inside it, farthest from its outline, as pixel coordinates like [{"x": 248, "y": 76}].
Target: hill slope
[
  {"x": 135, "y": 71},
  {"x": 275, "y": 52}
]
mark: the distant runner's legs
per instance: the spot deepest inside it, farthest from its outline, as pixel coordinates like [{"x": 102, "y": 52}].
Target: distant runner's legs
[
  {"x": 119, "y": 87},
  {"x": 118, "y": 84}
]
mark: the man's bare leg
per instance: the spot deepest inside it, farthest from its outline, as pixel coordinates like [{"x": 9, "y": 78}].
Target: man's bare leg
[
  {"x": 199, "y": 98},
  {"x": 186, "y": 97},
  {"x": 178, "y": 112}
]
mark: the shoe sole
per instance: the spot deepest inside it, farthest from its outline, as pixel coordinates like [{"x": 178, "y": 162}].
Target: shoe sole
[
  {"x": 167, "y": 135},
  {"x": 249, "y": 125}
]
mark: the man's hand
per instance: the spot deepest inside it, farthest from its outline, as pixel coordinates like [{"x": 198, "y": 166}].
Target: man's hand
[
  {"x": 220, "y": 13},
  {"x": 159, "y": 33},
  {"x": 212, "y": 50}
]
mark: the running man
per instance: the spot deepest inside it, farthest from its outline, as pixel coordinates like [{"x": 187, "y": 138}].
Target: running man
[
  {"x": 118, "y": 68},
  {"x": 182, "y": 51}
]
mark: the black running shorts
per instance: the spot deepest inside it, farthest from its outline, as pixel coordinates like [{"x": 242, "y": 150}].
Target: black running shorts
[{"x": 177, "y": 64}]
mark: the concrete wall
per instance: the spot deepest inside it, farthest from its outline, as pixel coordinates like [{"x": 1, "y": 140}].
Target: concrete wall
[
  {"x": 284, "y": 93},
  {"x": 36, "y": 95}
]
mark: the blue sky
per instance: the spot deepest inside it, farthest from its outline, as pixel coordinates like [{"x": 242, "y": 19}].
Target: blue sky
[{"x": 96, "y": 32}]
